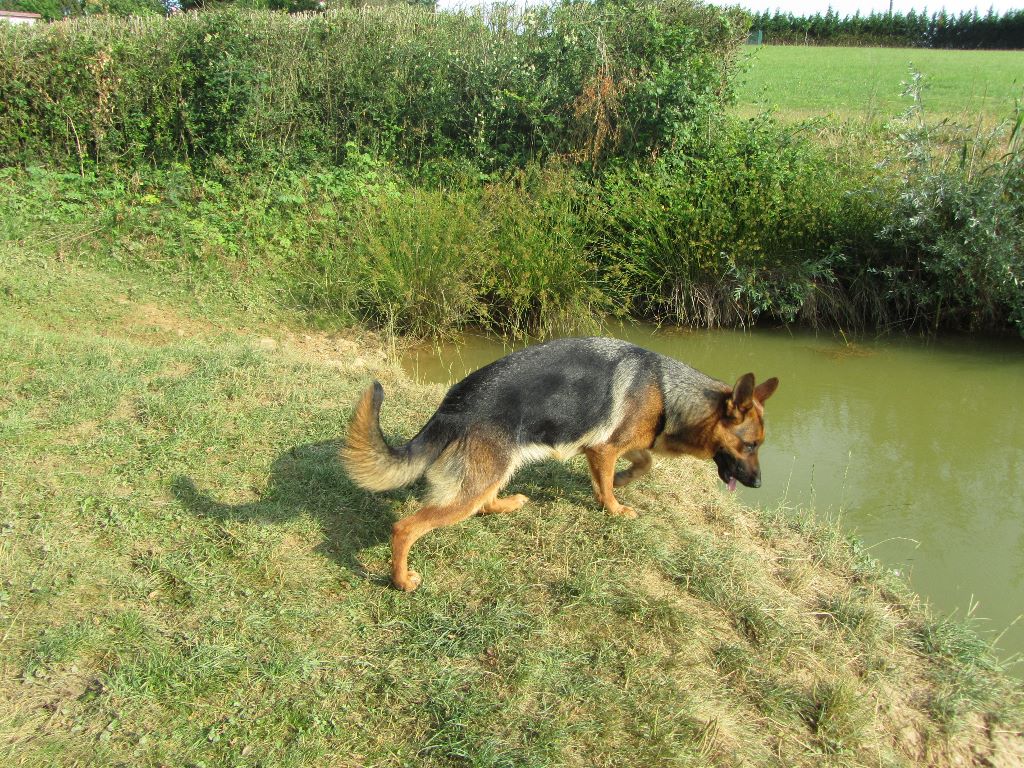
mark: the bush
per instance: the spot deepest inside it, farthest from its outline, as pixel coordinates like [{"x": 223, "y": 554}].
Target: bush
[
  {"x": 498, "y": 86},
  {"x": 545, "y": 276},
  {"x": 748, "y": 223},
  {"x": 415, "y": 262}
]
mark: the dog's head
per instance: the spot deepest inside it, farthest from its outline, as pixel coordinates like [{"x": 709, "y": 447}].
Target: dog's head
[{"x": 740, "y": 432}]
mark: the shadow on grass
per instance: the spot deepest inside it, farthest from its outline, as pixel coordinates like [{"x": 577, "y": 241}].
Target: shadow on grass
[{"x": 310, "y": 480}]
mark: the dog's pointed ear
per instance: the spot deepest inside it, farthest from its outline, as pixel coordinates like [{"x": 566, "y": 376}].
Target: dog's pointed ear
[
  {"x": 742, "y": 396},
  {"x": 766, "y": 389}
]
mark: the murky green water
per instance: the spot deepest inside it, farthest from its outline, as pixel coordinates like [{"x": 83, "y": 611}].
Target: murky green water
[{"x": 917, "y": 446}]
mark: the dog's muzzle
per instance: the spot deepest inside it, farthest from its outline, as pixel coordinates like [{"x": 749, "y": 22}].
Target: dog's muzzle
[{"x": 730, "y": 469}]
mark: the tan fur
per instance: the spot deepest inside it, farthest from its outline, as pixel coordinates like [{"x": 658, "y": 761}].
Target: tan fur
[
  {"x": 630, "y": 438},
  {"x": 484, "y": 462},
  {"x": 368, "y": 459}
]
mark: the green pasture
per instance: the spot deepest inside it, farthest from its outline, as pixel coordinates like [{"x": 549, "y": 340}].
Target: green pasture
[{"x": 866, "y": 83}]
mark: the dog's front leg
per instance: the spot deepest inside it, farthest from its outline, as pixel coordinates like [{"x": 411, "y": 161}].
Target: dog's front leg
[
  {"x": 641, "y": 462},
  {"x": 601, "y": 459}
]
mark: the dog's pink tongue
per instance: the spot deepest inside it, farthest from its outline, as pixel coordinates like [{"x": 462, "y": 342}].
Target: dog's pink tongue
[{"x": 732, "y": 484}]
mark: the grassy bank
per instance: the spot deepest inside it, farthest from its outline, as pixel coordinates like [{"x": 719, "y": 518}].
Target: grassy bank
[
  {"x": 864, "y": 85},
  {"x": 758, "y": 223},
  {"x": 190, "y": 578}
]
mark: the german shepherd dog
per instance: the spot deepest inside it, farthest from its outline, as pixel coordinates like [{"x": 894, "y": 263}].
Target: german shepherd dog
[{"x": 602, "y": 397}]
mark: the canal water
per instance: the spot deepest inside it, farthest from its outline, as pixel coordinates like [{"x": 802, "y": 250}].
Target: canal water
[{"x": 917, "y": 447}]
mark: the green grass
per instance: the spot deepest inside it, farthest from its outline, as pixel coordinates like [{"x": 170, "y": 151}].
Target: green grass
[
  {"x": 864, "y": 84},
  {"x": 187, "y": 577}
]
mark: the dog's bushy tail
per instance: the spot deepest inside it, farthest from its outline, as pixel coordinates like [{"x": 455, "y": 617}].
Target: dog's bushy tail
[{"x": 369, "y": 460}]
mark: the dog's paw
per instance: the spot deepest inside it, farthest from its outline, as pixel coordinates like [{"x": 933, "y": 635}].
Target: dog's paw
[
  {"x": 507, "y": 504},
  {"x": 623, "y": 511},
  {"x": 409, "y": 584},
  {"x": 622, "y": 478},
  {"x": 517, "y": 501}
]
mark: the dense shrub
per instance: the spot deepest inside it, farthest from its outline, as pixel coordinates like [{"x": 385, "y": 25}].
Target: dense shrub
[
  {"x": 750, "y": 223},
  {"x": 546, "y": 271},
  {"x": 523, "y": 171},
  {"x": 497, "y": 86},
  {"x": 414, "y": 263},
  {"x": 757, "y": 225},
  {"x": 753, "y": 223}
]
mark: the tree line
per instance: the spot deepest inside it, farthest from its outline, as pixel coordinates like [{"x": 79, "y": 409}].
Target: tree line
[{"x": 969, "y": 29}]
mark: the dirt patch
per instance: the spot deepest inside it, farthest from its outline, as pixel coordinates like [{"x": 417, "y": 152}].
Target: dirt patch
[
  {"x": 152, "y": 324},
  {"x": 342, "y": 349},
  {"x": 83, "y": 430},
  {"x": 981, "y": 743},
  {"x": 127, "y": 409},
  {"x": 345, "y": 349},
  {"x": 655, "y": 584},
  {"x": 176, "y": 370}
]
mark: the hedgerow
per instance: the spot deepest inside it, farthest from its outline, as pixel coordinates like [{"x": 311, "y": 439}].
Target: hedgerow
[{"x": 497, "y": 86}]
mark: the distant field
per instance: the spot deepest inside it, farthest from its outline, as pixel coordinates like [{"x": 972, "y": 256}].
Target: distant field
[{"x": 864, "y": 83}]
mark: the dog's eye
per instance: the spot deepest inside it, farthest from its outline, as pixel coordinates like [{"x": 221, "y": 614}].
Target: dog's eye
[{"x": 750, "y": 447}]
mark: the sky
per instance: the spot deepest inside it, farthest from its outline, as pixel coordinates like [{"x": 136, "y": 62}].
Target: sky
[{"x": 842, "y": 7}]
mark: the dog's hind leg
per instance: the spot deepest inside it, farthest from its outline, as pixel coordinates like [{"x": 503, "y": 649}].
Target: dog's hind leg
[
  {"x": 407, "y": 531},
  {"x": 464, "y": 481},
  {"x": 642, "y": 461},
  {"x": 601, "y": 459}
]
